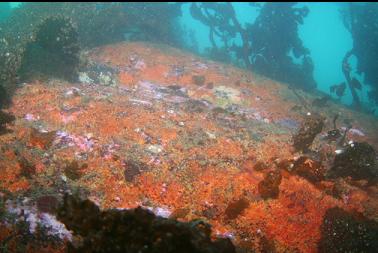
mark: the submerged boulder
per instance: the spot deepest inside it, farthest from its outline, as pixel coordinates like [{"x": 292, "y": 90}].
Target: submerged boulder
[
  {"x": 269, "y": 186},
  {"x": 235, "y": 208},
  {"x": 310, "y": 128},
  {"x": 134, "y": 230},
  {"x": 347, "y": 232},
  {"x": 358, "y": 161},
  {"x": 5, "y": 118},
  {"x": 310, "y": 169}
]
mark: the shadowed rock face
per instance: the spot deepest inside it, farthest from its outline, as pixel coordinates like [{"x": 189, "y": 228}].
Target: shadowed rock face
[
  {"x": 4, "y": 97},
  {"x": 133, "y": 169},
  {"x": 346, "y": 232},
  {"x": 54, "y": 53},
  {"x": 135, "y": 230},
  {"x": 5, "y": 118},
  {"x": 235, "y": 208},
  {"x": 310, "y": 128},
  {"x": 310, "y": 169},
  {"x": 269, "y": 187},
  {"x": 357, "y": 161}
]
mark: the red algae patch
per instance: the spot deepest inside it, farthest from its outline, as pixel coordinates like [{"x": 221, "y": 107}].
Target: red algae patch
[{"x": 186, "y": 137}]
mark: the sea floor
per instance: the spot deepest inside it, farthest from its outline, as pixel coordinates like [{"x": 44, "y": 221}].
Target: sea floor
[{"x": 185, "y": 137}]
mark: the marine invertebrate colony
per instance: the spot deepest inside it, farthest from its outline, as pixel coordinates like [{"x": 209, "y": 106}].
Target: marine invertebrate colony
[
  {"x": 347, "y": 232},
  {"x": 310, "y": 128},
  {"x": 358, "y": 161}
]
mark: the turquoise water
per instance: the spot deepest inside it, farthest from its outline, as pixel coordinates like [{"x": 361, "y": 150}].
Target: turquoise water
[{"x": 323, "y": 33}]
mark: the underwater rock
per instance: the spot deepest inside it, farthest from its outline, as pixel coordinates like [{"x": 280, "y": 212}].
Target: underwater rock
[
  {"x": 4, "y": 97},
  {"x": 180, "y": 213},
  {"x": 175, "y": 90},
  {"x": 72, "y": 92},
  {"x": 198, "y": 80},
  {"x": 133, "y": 169},
  {"x": 154, "y": 91},
  {"x": 310, "y": 128},
  {"x": 247, "y": 164},
  {"x": 33, "y": 227},
  {"x": 134, "y": 230},
  {"x": 84, "y": 143},
  {"x": 210, "y": 85},
  {"x": 235, "y": 208},
  {"x": 27, "y": 168},
  {"x": 288, "y": 123},
  {"x": 341, "y": 189},
  {"x": 260, "y": 166},
  {"x": 358, "y": 160},
  {"x": 347, "y": 232},
  {"x": 285, "y": 164},
  {"x": 47, "y": 204},
  {"x": 211, "y": 212},
  {"x": 353, "y": 131},
  {"x": 43, "y": 39},
  {"x": 42, "y": 140},
  {"x": 54, "y": 52},
  {"x": 73, "y": 171},
  {"x": 230, "y": 95},
  {"x": 195, "y": 106},
  {"x": 155, "y": 149},
  {"x": 5, "y": 118},
  {"x": 309, "y": 169},
  {"x": 333, "y": 135},
  {"x": 269, "y": 186},
  {"x": 267, "y": 245},
  {"x": 37, "y": 45},
  {"x": 99, "y": 74}
]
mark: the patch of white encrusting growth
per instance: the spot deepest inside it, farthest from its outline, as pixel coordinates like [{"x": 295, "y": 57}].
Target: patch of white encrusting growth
[
  {"x": 25, "y": 211},
  {"x": 84, "y": 78}
]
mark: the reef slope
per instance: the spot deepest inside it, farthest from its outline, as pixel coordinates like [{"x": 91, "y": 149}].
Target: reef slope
[{"x": 148, "y": 125}]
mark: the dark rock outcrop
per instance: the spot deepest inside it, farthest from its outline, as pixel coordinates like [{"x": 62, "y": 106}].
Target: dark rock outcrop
[{"x": 135, "y": 230}]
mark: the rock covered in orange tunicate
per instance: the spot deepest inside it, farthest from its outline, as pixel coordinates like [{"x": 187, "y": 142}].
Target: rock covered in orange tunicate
[
  {"x": 235, "y": 208},
  {"x": 269, "y": 186},
  {"x": 42, "y": 140},
  {"x": 151, "y": 136},
  {"x": 310, "y": 169}
]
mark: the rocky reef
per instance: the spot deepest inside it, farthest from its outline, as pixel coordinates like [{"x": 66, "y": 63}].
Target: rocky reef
[
  {"x": 185, "y": 138},
  {"x": 347, "y": 232},
  {"x": 136, "y": 230},
  {"x": 311, "y": 126},
  {"x": 5, "y": 118},
  {"x": 357, "y": 160}
]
